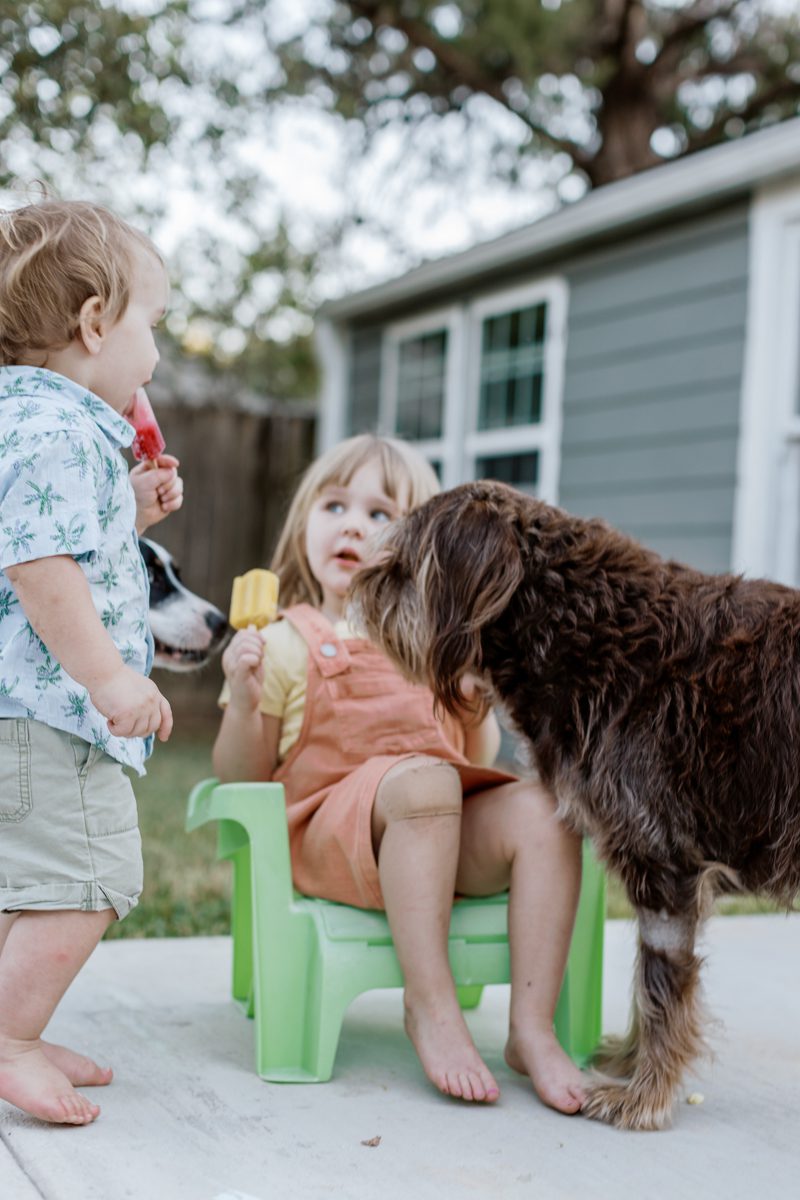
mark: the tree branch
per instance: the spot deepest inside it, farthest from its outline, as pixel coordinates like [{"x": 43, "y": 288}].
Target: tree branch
[
  {"x": 463, "y": 69},
  {"x": 786, "y": 90},
  {"x": 611, "y": 31},
  {"x": 621, "y": 44},
  {"x": 683, "y": 31}
]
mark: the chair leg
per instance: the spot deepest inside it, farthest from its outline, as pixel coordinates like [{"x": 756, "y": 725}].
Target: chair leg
[
  {"x": 299, "y": 1004},
  {"x": 242, "y": 930},
  {"x": 579, "y": 1013},
  {"x": 469, "y": 996}
]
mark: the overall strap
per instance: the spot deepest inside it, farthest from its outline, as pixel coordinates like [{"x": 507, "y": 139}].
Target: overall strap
[{"x": 328, "y": 651}]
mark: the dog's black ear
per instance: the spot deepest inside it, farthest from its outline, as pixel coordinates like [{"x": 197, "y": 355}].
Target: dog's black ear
[{"x": 472, "y": 567}]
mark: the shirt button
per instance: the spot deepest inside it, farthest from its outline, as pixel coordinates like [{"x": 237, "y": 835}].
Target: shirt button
[{"x": 328, "y": 650}]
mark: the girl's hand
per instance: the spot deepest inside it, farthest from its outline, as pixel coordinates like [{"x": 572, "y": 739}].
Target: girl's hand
[
  {"x": 476, "y": 699},
  {"x": 243, "y": 664},
  {"x": 158, "y": 490}
]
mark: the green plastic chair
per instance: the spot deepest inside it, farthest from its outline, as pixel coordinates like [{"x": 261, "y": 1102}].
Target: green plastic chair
[{"x": 298, "y": 962}]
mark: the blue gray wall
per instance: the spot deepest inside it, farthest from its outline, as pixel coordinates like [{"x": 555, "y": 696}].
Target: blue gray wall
[{"x": 656, "y": 331}]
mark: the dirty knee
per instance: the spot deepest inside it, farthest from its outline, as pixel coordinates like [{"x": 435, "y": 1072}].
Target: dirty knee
[{"x": 421, "y": 787}]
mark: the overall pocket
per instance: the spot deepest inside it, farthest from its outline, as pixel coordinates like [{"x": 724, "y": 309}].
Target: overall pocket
[
  {"x": 380, "y": 715},
  {"x": 15, "y": 769}
]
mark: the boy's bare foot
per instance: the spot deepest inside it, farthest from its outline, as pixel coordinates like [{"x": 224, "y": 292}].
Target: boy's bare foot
[
  {"x": 29, "y": 1080},
  {"x": 447, "y": 1052},
  {"x": 79, "y": 1069},
  {"x": 557, "y": 1080}
]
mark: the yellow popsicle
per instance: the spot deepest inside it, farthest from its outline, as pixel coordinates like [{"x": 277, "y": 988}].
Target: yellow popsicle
[{"x": 254, "y": 599}]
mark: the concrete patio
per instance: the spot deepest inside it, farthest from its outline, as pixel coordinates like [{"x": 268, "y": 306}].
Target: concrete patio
[{"x": 187, "y": 1119}]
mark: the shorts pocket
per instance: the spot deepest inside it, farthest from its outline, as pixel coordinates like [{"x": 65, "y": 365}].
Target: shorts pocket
[
  {"x": 85, "y": 754},
  {"x": 109, "y": 804},
  {"x": 15, "y": 770}
]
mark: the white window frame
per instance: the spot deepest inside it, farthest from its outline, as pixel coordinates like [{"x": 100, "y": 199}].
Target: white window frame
[
  {"x": 544, "y": 435},
  {"x": 445, "y": 448},
  {"x": 766, "y": 539},
  {"x": 461, "y": 443}
]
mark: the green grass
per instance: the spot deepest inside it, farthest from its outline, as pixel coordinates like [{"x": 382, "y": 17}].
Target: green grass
[
  {"x": 186, "y": 891},
  {"x": 618, "y": 905}
]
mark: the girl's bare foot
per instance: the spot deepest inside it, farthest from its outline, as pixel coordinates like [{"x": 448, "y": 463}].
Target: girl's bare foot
[
  {"x": 447, "y": 1052},
  {"x": 557, "y": 1080},
  {"x": 30, "y": 1081},
  {"x": 79, "y": 1069}
]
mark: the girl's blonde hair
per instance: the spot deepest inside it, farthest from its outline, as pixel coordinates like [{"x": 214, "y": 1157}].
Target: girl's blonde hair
[
  {"x": 406, "y": 477},
  {"x": 55, "y": 255}
]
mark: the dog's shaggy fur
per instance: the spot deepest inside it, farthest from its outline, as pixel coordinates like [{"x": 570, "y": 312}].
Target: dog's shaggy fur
[{"x": 661, "y": 705}]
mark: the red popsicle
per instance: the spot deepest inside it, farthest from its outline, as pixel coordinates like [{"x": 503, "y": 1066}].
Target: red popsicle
[{"x": 149, "y": 441}]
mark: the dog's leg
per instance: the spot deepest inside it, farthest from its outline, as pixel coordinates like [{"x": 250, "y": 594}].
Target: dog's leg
[
  {"x": 668, "y": 1019},
  {"x": 616, "y": 1056}
]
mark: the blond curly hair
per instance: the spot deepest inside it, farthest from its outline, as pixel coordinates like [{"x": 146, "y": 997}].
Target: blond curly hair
[{"x": 55, "y": 255}]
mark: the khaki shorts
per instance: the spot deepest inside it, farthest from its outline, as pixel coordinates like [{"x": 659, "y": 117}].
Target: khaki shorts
[{"x": 69, "y": 836}]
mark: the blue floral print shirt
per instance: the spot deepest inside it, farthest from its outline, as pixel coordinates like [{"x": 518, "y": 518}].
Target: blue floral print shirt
[{"x": 64, "y": 489}]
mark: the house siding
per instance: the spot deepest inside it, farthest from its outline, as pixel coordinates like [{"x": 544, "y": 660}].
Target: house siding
[
  {"x": 652, "y": 385},
  {"x": 653, "y": 373}
]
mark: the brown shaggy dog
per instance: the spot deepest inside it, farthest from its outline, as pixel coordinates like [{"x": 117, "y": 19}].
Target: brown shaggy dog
[{"x": 661, "y": 705}]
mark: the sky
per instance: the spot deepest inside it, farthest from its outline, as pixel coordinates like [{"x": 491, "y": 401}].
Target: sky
[{"x": 316, "y": 174}]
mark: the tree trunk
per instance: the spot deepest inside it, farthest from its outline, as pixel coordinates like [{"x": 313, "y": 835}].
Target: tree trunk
[{"x": 626, "y": 122}]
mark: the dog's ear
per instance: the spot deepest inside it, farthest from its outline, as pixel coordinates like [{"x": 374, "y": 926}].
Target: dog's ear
[{"x": 472, "y": 566}]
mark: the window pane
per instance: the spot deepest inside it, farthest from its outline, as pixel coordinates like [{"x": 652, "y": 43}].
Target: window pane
[
  {"x": 365, "y": 381},
  {"x": 512, "y": 365},
  {"x": 420, "y": 385},
  {"x": 519, "y": 470}
]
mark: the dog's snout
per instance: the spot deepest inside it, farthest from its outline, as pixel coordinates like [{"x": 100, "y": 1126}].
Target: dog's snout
[{"x": 216, "y": 622}]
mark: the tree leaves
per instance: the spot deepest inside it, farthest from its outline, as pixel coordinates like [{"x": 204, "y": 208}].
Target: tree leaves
[{"x": 617, "y": 84}]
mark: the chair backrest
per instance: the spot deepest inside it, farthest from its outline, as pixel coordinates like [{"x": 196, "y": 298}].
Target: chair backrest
[{"x": 253, "y": 813}]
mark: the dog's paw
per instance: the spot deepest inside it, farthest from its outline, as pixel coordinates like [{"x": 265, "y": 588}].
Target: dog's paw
[{"x": 626, "y": 1105}]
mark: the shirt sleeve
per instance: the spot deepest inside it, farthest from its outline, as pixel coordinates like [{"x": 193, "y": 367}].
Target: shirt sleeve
[{"x": 49, "y": 502}]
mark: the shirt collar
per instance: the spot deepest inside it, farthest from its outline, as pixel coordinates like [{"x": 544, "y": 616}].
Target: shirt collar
[{"x": 38, "y": 382}]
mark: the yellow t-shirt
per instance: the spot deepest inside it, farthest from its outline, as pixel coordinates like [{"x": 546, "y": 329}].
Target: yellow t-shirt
[{"x": 285, "y": 679}]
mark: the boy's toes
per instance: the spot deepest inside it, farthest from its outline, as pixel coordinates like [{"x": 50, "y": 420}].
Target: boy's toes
[
  {"x": 69, "y": 1108},
  {"x": 79, "y": 1069},
  {"x": 77, "y": 1110}
]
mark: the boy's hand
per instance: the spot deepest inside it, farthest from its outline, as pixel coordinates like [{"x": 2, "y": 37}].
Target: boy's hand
[
  {"x": 158, "y": 490},
  {"x": 243, "y": 664},
  {"x": 133, "y": 705}
]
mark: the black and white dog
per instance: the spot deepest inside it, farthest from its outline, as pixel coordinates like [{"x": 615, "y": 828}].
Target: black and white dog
[{"x": 187, "y": 630}]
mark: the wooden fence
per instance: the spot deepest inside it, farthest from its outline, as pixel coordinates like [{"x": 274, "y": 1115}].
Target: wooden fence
[{"x": 240, "y": 470}]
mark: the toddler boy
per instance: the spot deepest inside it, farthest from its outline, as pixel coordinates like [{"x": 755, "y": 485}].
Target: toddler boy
[{"x": 80, "y": 294}]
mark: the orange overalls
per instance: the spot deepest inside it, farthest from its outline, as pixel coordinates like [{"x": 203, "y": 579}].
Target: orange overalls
[{"x": 360, "y": 718}]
